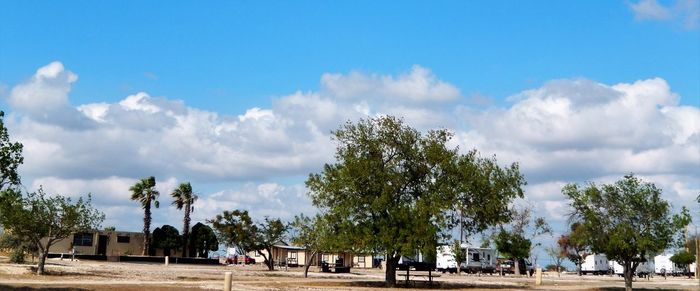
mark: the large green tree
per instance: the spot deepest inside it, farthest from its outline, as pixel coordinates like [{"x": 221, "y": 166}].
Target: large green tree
[
  {"x": 10, "y": 158},
  {"x": 236, "y": 228},
  {"x": 44, "y": 220},
  {"x": 183, "y": 199},
  {"x": 144, "y": 191},
  {"x": 628, "y": 220},
  {"x": 166, "y": 238},
  {"x": 395, "y": 191},
  {"x": 202, "y": 240}
]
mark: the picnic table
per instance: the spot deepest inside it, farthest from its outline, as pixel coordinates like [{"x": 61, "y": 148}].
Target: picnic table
[{"x": 418, "y": 273}]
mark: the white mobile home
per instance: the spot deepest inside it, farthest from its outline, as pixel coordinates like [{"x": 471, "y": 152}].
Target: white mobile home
[{"x": 596, "y": 264}]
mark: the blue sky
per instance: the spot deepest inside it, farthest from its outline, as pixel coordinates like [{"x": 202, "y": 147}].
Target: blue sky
[
  {"x": 240, "y": 53},
  {"x": 239, "y": 97}
]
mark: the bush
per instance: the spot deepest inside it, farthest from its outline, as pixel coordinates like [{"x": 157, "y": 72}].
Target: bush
[{"x": 17, "y": 256}]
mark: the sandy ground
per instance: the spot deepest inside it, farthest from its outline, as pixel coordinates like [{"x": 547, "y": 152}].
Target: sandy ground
[{"x": 94, "y": 275}]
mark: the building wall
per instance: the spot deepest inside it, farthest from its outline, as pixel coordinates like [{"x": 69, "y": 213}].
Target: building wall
[
  {"x": 134, "y": 246},
  {"x": 362, "y": 261},
  {"x": 356, "y": 261}
]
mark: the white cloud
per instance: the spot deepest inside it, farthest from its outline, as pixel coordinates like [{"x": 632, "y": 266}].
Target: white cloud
[
  {"x": 650, "y": 9},
  {"x": 47, "y": 89},
  {"x": 687, "y": 12},
  {"x": 420, "y": 85},
  {"x": 564, "y": 131}
]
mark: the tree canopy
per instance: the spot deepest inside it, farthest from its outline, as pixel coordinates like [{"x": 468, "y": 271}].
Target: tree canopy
[
  {"x": 44, "y": 219},
  {"x": 459, "y": 254},
  {"x": 10, "y": 157},
  {"x": 313, "y": 234},
  {"x": 629, "y": 219},
  {"x": 202, "y": 240},
  {"x": 575, "y": 245},
  {"x": 392, "y": 189},
  {"x": 184, "y": 199},
  {"x": 167, "y": 238},
  {"x": 236, "y": 228},
  {"x": 144, "y": 191},
  {"x": 516, "y": 241}
]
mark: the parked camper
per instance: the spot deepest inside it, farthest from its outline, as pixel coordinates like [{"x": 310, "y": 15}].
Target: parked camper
[
  {"x": 480, "y": 260},
  {"x": 596, "y": 264},
  {"x": 644, "y": 269},
  {"x": 445, "y": 260},
  {"x": 663, "y": 266}
]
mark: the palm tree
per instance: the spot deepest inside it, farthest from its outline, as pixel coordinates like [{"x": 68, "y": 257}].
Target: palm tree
[
  {"x": 145, "y": 192},
  {"x": 184, "y": 198}
]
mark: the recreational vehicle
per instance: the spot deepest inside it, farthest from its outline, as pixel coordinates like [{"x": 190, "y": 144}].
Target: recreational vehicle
[
  {"x": 643, "y": 270},
  {"x": 478, "y": 260},
  {"x": 596, "y": 264}
]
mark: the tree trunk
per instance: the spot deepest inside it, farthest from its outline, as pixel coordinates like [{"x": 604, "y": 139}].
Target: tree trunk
[
  {"x": 146, "y": 228},
  {"x": 390, "y": 275},
  {"x": 186, "y": 230},
  {"x": 628, "y": 276},
  {"x": 308, "y": 263},
  {"x": 42, "y": 261},
  {"x": 268, "y": 261},
  {"x": 516, "y": 265},
  {"x": 578, "y": 266}
]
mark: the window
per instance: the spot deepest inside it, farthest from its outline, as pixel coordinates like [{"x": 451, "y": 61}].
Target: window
[
  {"x": 361, "y": 259},
  {"x": 82, "y": 239},
  {"x": 475, "y": 257},
  {"x": 325, "y": 257},
  {"x": 293, "y": 254},
  {"x": 123, "y": 239}
]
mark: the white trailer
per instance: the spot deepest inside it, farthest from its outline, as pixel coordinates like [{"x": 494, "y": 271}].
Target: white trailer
[
  {"x": 480, "y": 260},
  {"x": 664, "y": 266},
  {"x": 445, "y": 260},
  {"x": 596, "y": 264},
  {"x": 644, "y": 269}
]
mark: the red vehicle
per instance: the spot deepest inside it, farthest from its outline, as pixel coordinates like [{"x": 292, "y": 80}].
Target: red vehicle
[{"x": 247, "y": 260}]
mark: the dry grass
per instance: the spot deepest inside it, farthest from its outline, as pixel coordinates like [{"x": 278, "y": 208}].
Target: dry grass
[{"x": 92, "y": 275}]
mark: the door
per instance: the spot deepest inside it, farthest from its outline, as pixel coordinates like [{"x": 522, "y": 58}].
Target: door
[{"x": 102, "y": 245}]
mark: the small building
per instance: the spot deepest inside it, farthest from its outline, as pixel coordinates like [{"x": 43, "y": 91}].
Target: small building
[
  {"x": 285, "y": 254},
  {"x": 105, "y": 243}
]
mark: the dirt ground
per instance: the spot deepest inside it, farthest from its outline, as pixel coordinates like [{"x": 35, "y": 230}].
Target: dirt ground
[{"x": 96, "y": 275}]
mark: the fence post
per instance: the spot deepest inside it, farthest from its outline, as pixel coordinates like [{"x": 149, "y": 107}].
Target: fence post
[
  {"x": 227, "y": 281},
  {"x": 538, "y": 277},
  {"x": 167, "y": 261}
]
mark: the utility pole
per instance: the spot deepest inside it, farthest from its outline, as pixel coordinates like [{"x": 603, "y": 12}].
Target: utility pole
[{"x": 697, "y": 255}]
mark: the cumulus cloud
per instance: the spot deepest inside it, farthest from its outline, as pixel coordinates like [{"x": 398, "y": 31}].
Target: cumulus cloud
[
  {"x": 687, "y": 12},
  {"x": 571, "y": 130},
  {"x": 420, "y": 85}
]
